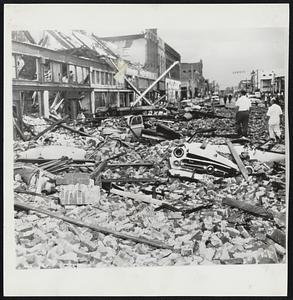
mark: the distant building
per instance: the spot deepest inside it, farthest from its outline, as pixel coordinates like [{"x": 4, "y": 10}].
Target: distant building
[
  {"x": 192, "y": 80},
  {"x": 268, "y": 82},
  {"x": 245, "y": 85},
  {"x": 279, "y": 84}
]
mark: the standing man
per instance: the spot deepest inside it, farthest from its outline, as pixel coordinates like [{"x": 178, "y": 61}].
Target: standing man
[
  {"x": 230, "y": 98},
  {"x": 274, "y": 117},
  {"x": 243, "y": 106},
  {"x": 225, "y": 99}
]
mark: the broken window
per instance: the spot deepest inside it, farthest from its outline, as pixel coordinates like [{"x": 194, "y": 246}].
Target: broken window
[
  {"x": 30, "y": 102},
  {"x": 64, "y": 71},
  {"x": 102, "y": 78},
  {"x": 79, "y": 74},
  {"x": 100, "y": 99},
  {"x": 110, "y": 79},
  {"x": 26, "y": 67},
  {"x": 97, "y": 77},
  {"x": 86, "y": 75},
  {"x": 113, "y": 98},
  {"x": 47, "y": 72},
  {"x": 72, "y": 74},
  {"x": 56, "y": 68}
]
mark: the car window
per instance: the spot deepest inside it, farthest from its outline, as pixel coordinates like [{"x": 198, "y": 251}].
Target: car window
[{"x": 136, "y": 120}]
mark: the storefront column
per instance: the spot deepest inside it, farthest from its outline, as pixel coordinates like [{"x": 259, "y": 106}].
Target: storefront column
[
  {"x": 93, "y": 108},
  {"x": 46, "y": 104},
  {"x": 39, "y": 95},
  {"x": 118, "y": 99},
  {"x": 127, "y": 99}
]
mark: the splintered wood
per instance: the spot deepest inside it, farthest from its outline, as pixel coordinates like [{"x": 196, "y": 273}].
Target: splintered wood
[{"x": 115, "y": 204}]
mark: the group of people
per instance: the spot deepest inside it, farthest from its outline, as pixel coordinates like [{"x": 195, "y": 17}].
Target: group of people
[
  {"x": 273, "y": 116},
  {"x": 229, "y": 97},
  {"x": 268, "y": 97}
]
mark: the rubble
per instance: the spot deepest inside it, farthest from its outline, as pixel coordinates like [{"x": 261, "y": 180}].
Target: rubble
[{"x": 147, "y": 217}]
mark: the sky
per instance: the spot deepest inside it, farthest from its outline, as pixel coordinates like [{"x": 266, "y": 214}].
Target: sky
[{"x": 228, "y": 38}]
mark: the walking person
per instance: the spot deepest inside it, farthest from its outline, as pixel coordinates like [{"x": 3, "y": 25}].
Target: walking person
[
  {"x": 243, "y": 106},
  {"x": 225, "y": 99},
  {"x": 274, "y": 118},
  {"x": 230, "y": 98}
]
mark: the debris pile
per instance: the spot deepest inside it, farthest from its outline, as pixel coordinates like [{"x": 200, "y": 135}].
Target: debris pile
[{"x": 89, "y": 197}]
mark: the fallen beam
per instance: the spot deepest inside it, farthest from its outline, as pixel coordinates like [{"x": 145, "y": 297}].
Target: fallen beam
[
  {"x": 202, "y": 130},
  {"x": 20, "y": 133},
  {"x": 43, "y": 160},
  {"x": 238, "y": 160},
  {"x": 146, "y": 164},
  {"x": 68, "y": 127},
  {"x": 100, "y": 168},
  {"x": 131, "y": 84},
  {"x": 120, "y": 235},
  {"x": 49, "y": 128},
  {"x": 155, "y": 82},
  {"x": 139, "y": 197},
  {"x": 139, "y": 180},
  {"x": 252, "y": 209}
]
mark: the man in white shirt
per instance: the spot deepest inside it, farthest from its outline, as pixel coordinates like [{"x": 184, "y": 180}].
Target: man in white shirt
[
  {"x": 274, "y": 115},
  {"x": 243, "y": 106}
]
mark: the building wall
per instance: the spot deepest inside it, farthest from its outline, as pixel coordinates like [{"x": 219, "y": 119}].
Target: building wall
[
  {"x": 132, "y": 50},
  {"x": 171, "y": 57},
  {"x": 192, "y": 79}
]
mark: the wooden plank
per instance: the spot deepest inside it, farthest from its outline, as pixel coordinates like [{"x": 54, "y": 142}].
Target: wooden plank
[
  {"x": 139, "y": 197},
  {"x": 238, "y": 160},
  {"x": 68, "y": 127},
  {"x": 153, "y": 243},
  {"x": 142, "y": 164},
  {"x": 124, "y": 179},
  {"x": 252, "y": 209},
  {"x": 49, "y": 128},
  {"x": 20, "y": 133},
  {"x": 97, "y": 171}
]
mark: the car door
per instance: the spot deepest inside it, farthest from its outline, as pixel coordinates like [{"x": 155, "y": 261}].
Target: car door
[{"x": 136, "y": 124}]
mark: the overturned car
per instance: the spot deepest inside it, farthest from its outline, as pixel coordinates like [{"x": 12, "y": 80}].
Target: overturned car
[{"x": 193, "y": 160}]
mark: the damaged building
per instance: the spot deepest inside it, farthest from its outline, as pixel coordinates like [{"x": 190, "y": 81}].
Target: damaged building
[
  {"x": 158, "y": 186},
  {"x": 70, "y": 72},
  {"x": 153, "y": 54},
  {"x": 192, "y": 80}
]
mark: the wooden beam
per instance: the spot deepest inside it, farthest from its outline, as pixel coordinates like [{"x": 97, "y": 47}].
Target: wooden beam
[
  {"x": 155, "y": 82},
  {"x": 252, "y": 209},
  {"x": 139, "y": 197},
  {"x": 49, "y": 128},
  {"x": 238, "y": 160},
  {"x": 120, "y": 235},
  {"x": 19, "y": 130},
  {"x": 68, "y": 127}
]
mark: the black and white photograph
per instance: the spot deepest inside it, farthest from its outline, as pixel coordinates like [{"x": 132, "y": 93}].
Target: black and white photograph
[{"x": 147, "y": 137}]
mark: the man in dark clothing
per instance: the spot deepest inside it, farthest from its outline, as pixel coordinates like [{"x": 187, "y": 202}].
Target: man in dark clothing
[
  {"x": 225, "y": 99},
  {"x": 230, "y": 98}
]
